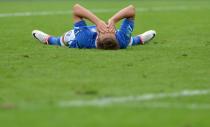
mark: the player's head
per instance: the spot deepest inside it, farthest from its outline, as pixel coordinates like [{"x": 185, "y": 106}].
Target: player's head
[{"x": 107, "y": 41}]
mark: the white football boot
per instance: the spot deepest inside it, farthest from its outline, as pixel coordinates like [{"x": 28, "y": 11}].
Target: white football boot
[
  {"x": 147, "y": 36},
  {"x": 41, "y": 36}
]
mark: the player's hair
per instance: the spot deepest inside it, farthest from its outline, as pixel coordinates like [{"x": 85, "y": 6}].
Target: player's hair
[{"x": 108, "y": 44}]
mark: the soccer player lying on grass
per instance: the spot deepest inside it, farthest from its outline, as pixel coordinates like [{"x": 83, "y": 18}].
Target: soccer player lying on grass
[{"x": 102, "y": 35}]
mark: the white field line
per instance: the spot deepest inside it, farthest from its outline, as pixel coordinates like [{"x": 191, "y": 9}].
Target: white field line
[
  {"x": 167, "y": 105},
  {"x": 153, "y": 9},
  {"x": 126, "y": 99}
]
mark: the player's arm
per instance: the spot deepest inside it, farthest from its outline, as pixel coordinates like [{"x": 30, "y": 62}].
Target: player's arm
[
  {"x": 128, "y": 12},
  {"x": 80, "y": 12}
]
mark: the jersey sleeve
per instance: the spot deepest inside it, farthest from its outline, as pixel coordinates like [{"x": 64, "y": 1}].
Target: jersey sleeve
[
  {"x": 127, "y": 26},
  {"x": 79, "y": 24},
  {"x": 123, "y": 35}
]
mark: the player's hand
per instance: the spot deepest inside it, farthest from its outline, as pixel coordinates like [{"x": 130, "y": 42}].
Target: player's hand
[
  {"x": 111, "y": 26},
  {"x": 102, "y": 26}
]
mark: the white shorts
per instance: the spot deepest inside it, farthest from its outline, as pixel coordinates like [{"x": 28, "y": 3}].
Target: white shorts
[{"x": 68, "y": 37}]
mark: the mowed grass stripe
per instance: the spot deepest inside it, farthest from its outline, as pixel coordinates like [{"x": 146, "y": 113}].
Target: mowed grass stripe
[{"x": 60, "y": 12}]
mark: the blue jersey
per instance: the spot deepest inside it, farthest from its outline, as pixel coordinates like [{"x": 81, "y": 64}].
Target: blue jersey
[{"x": 84, "y": 36}]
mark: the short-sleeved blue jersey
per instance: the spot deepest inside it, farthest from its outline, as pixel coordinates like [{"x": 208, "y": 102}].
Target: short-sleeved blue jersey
[{"x": 85, "y": 36}]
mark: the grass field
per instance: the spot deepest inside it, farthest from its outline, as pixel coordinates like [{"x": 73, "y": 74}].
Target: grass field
[{"x": 164, "y": 83}]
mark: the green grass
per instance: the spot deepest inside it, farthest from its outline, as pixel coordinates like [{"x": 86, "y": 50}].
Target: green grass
[{"x": 34, "y": 78}]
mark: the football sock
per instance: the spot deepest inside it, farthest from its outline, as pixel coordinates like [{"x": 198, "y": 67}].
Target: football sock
[
  {"x": 54, "y": 41},
  {"x": 136, "y": 40}
]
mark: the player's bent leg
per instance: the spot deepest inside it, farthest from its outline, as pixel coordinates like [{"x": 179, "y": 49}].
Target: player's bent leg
[
  {"x": 47, "y": 39},
  {"x": 143, "y": 38}
]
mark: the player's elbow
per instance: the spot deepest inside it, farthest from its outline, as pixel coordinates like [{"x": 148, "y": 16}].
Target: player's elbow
[
  {"x": 132, "y": 9},
  {"x": 76, "y": 8}
]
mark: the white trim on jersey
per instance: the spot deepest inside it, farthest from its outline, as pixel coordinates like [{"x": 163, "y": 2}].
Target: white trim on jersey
[
  {"x": 61, "y": 42},
  {"x": 131, "y": 42}
]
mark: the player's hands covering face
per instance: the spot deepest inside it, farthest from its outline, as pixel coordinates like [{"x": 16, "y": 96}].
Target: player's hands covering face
[
  {"x": 102, "y": 26},
  {"x": 111, "y": 26}
]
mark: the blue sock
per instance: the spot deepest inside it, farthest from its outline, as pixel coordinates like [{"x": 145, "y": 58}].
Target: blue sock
[
  {"x": 136, "y": 40},
  {"x": 54, "y": 41}
]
